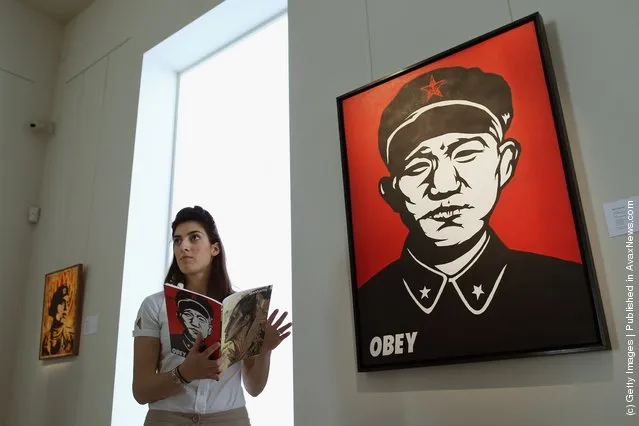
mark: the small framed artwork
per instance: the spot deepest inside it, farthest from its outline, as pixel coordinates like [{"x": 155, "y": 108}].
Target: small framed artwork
[
  {"x": 467, "y": 236},
  {"x": 61, "y": 313}
]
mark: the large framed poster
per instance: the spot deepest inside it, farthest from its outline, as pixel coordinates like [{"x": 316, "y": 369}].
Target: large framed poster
[{"x": 467, "y": 235}]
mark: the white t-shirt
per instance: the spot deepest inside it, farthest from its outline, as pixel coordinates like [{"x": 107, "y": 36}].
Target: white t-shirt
[{"x": 199, "y": 396}]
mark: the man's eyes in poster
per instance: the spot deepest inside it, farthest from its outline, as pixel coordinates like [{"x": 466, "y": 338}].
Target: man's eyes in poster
[{"x": 462, "y": 151}]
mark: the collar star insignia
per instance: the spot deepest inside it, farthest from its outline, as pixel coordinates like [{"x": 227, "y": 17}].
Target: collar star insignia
[
  {"x": 476, "y": 283},
  {"x": 424, "y": 292},
  {"x": 477, "y": 291},
  {"x": 433, "y": 88}
]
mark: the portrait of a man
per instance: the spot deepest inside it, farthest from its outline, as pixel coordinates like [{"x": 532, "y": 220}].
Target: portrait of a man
[
  {"x": 455, "y": 290},
  {"x": 196, "y": 317}
]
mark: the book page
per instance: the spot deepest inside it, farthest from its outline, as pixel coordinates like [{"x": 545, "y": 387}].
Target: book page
[{"x": 244, "y": 316}]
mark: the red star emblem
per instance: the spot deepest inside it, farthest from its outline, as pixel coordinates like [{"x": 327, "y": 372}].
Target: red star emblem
[{"x": 433, "y": 88}]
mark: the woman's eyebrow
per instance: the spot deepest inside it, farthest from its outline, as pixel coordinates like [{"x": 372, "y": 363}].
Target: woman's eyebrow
[{"x": 188, "y": 233}]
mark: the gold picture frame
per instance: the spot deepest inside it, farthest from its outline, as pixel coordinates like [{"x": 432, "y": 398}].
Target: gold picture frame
[{"x": 61, "y": 320}]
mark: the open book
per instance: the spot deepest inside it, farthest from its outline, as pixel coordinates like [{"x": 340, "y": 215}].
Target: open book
[{"x": 238, "y": 322}]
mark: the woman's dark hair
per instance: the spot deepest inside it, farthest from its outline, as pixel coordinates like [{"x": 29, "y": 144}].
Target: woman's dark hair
[
  {"x": 57, "y": 299},
  {"x": 219, "y": 285}
]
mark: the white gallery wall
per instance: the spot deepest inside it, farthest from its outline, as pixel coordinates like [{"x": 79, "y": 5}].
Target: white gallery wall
[
  {"x": 29, "y": 49},
  {"x": 84, "y": 198},
  {"x": 335, "y": 46}
]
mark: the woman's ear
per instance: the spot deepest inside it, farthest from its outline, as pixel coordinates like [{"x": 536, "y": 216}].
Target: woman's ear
[{"x": 215, "y": 249}]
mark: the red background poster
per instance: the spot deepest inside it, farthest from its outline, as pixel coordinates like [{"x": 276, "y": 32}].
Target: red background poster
[{"x": 534, "y": 212}]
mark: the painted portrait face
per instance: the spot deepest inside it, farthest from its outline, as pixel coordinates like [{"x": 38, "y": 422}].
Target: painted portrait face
[
  {"x": 443, "y": 140},
  {"x": 61, "y": 311},
  {"x": 59, "y": 308},
  {"x": 449, "y": 184},
  {"x": 196, "y": 323}
]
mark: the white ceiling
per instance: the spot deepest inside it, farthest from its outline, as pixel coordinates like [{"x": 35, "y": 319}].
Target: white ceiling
[{"x": 60, "y": 10}]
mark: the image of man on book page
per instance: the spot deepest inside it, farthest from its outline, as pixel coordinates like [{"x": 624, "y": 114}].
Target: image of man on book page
[
  {"x": 244, "y": 327},
  {"x": 196, "y": 317}
]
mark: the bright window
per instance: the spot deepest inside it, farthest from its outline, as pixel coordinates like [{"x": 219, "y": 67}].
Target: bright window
[{"x": 232, "y": 158}]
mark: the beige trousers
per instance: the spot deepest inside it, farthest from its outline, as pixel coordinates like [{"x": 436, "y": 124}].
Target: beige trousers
[{"x": 236, "y": 417}]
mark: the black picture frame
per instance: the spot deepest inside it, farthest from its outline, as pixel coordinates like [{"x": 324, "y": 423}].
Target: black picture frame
[{"x": 591, "y": 292}]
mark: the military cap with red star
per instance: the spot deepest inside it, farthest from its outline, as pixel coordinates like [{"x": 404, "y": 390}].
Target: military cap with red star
[
  {"x": 444, "y": 100},
  {"x": 185, "y": 301}
]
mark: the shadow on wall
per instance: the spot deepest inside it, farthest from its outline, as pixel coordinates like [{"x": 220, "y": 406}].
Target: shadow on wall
[
  {"x": 62, "y": 377},
  {"x": 580, "y": 170},
  {"x": 63, "y": 385},
  {"x": 530, "y": 372}
]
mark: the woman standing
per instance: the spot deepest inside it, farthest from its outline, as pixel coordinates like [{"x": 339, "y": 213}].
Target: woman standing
[{"x": 190, "y": 390}]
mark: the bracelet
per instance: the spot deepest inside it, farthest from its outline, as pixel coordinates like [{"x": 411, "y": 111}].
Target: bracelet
[
  {"x": 177, "y": 371},
  {"x": 177, "y": 377}
]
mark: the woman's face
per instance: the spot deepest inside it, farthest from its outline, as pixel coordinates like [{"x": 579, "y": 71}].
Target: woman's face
[
  {"x": 61, "y": 312},
  {"x": 192, "y": 248}
]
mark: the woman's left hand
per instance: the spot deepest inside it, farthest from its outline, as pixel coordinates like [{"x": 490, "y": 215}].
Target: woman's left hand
[{"x": 275, "y": 332}]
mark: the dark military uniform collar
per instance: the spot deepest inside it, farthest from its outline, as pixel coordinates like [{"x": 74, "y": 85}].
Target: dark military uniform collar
[{"x": 475, "y": 284}]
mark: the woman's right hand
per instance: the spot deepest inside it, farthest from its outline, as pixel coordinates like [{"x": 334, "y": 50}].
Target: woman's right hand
[{"x": 197, "y": 365}]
